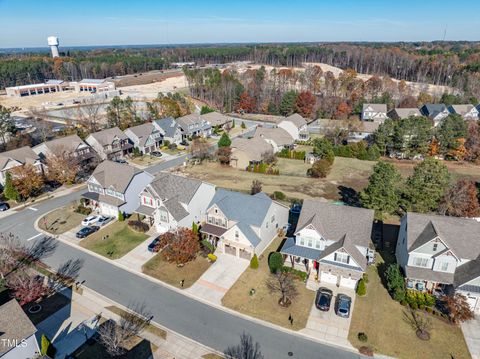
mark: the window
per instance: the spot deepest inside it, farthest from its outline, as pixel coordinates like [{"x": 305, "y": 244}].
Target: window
[
  {"x": 420, "y": 262},
  {"x": 342, "y": 257},
  {"x": 163, "y": 216},
  {"x": 310, "y": 242},
  {"x": 236, "y": 235},
  {"x": 302, "y": 241},
  {"x": 443, "y": 266},
  {"x": 435, "y": 245},
  {"x": 317, "y": 244}
]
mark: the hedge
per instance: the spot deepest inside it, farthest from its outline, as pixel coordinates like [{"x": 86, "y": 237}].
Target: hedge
[
  {"x": 296, "y": 272},
  {"x": 263, "y": 168},
  {"x": 138, "y": 226},
  {"x": 292, "y": 154},
  {"x": 416, "y": 299}
]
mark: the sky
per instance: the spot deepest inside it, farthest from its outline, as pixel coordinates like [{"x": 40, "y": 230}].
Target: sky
[{"x": 28, "y": 23}]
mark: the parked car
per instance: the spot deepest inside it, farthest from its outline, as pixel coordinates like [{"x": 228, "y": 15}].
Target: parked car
[
  {"x": 343, "y": 305},
  {"x": 103, "y": 220},
  {"x": 184, "y": 143},
  {"x": 121, "y": 161},
  {"x": 86, "y": 231},
  {"x": 156, "y": 154},
  {"x": 4, "y": 206},
  {"x": 88, "y": 221},
  {"x": 152, "y": 245},
  {"x": 323, "y": 299}
]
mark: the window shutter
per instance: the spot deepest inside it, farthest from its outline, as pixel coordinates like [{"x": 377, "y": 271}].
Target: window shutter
[
  {"x": 348, "y": 259},
  {"x": 335, "y": 257}
]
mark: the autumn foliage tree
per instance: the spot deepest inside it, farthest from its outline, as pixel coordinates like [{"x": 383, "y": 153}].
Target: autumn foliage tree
[
  {"x": 458, "y": 308},
  {"x": 461, "y": 200},
  {"x": 246, "y": 103},
  {"x": 27, "y": 180},
  {"x": 27, "y": 289},
  {"x": 180, "y": 246},
  {"x": 62, "y": 166},
  {"x": 343, "y": 110},
  {"x": 305, "y": 103}
]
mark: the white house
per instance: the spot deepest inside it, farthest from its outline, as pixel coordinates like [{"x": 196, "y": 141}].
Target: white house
[
  {"x": 115, "y": 187},
  {"x": 275, "y": 136},
  {"x": 468, "y": 112},
  {"x": 331, "y": 242},
  {"x": 169, "y": 129},
  {"x": 18, "y": 157},
  {"x": 17, "y": 333},
  {"x": 110, "y": 144},
  {"x": 194, "y": 125},
  {"x": 435, "y": 111},
  {"x": 440, "y": 252},
  {"x": 171, "y": 201},
  {"x": 146, "y": 137},
  {"x": 296, "y": 126},
  {"x": 376, "y": 112},
  {"x": 241, "y": 225}
]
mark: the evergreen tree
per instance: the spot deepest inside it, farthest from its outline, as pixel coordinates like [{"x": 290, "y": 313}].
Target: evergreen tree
[
  {"x": 452, "y": 128},
  {"x": 288, "y": 103},
  {"x": 9, "y": 191},
  {"x": 206, "y": 109},
  {"x": 395, "y": 282},
  {"x": 224, "y": 141}
]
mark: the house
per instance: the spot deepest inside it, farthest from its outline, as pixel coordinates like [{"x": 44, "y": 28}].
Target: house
[
  {"x": 402, "y": 113},
  {"x": 242, "y": 225},
  {"x": 172, "y": 201},
  {"x": 296, "y": 126},
  {"x": 217, "y": 119},
  {"x": 275, "y": 136},
  {"x": 248, "y": 151},
  {"x": 72, "y": 145},
  {"x": 376, "y": 112},
  {"x": 18, "y": 157},
  {"x": 435, "y": 112},
  {"x": 194, "y": 125},
  {"x": 115, "y": 187},
  {"x": 468, "y": 112},
  {"x": 17, "y": 333},
  {"x": 362, "y": 132},
  {"x": 169, "y": 129},
  {"x": 440, "y": 252},
  {"x": 332, "y": 242},
  {"x": 146, "y": 137},
  {"x": 110, "y": 144}
]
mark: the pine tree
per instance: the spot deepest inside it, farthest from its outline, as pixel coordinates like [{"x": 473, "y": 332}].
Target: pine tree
[
  {"x": 224, "y": 140},
  {"x": 10, "y": 191}
]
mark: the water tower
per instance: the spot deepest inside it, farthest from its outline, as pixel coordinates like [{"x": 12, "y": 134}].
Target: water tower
[{"x": 53, "y": 43}]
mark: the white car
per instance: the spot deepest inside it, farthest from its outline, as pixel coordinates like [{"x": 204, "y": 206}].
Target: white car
[
  {"x": 90, "y": 220},
  {"x": 103, "y": 220}
]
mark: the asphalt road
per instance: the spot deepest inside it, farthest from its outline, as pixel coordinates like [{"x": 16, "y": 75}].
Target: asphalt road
[{"x": 196, "y": 320}]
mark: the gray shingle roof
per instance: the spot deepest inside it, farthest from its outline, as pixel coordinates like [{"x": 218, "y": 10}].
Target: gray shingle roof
[
  {"x": 176, "y": 209},
  {"x": 402, "y": 113},
  {"x": 377, "y": 107},
  {"x": 460, "y": 109},
  {"x": 14, "y": 325},
  {"x": 142, "y": 132},
  {"x": 166, "y": 186},
  {"x": 296, "y": 119},
  {"x": 23, "y": 155},
  {"x": 253, "y": 147},
  {"x": 114, "y": 174},
  {"x": 432, "y": 109},
  {"x": 168, "y": 125},
  {"x": 428, "y": 275},
  {"x": 466, "y": 272},
  {"x": 68, "y": 143},
  {"x": 106, "y": 137},
  {"x": 216, "y": 118},
  {"x": 276, "y": 134},
  {"x": 192, "y": 119},
  {"x": 289, "y": 247}
]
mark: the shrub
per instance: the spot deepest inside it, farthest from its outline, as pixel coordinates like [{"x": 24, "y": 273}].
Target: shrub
[
  {"x": 320, "y": 169},
  {"x": 172, "y": 146},
  {"x": 404, "y": 303},
  {"x": 121, "y": 217},
  {"x": 366, "y": 351},
  {"x": 414, "y": 306},
  {"x": 298, "y": 273},
  {"x": 296, "y": 155},
  {"x": 361, "y": 288},
  {"x": 243, "y": 125},
  {"x": 278, "y": 195},
  {"x": 254, "y": 262},
  {"x": 395, "y": 282},
  {"x": 136, "y": 152},
  {"x": 166, "y": 143},
  {"x": 365, "y": 277},
  {"x": 83, "y": 210},
  {"x": 195, "y": 228},
  {"x": 206, "y": 244},
  {"x": 46, "y": 347},
  {"x": 138, "y": 226},
  {"x": 362, "y": 337},
  {"x": 212, "y": 257},
  {"x": 275, "y": 262},
  {"x": 429, "y": 310},
  {"x": 421, "y": 306}
]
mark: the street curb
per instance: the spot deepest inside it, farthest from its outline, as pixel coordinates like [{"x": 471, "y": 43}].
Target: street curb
[{"x": 194, "y": 297}]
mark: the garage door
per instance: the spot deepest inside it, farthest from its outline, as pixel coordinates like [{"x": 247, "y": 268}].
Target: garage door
[
  {"x": 230, "y": 250},
  {"x": 472, "y": 301},
  {"x": 245, "y": 254},
  {"x": 328, "y": 278},
  {"x": 108, "y": 210},
  {"x": 348, "y": 282}
]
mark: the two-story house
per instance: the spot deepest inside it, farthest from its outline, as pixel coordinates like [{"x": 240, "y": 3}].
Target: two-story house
[
  {"x": 435, "y": 112},
  {"x": 275, "y": 136},
  {"x": 71, "y": 146},
  {"x": 296, "y": 126},
  {"x": 18, "y": 157},
  {"x": 468, "y": 112},
  {"x": 170, "y": 129},
  {"x": 242, "y": 225},
  {"x": 146, "y": 137},
  {"x": 376, "y": 112},
  {"x": 115, "y": 187},
  {"x": 403, "y": 113},
  {"x": 440, "y": 252},
  {"x": 110, "y": 144},
  {"x": 172, "y": 201},
  {"x": 194, "y": 125},
  {"x": 216, "y": 119},
  {"x": 331, "y": 242}
]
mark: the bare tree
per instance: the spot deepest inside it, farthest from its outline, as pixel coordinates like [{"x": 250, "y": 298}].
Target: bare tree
[
  {"x": 114, "y": 335},
  {"x": 247, "y": 349},
  {"x": 89, "y": 113},
  {"x": 420, "y": 323},
  {"x": 269, "y": 157},
  {"x": 256, "y": 187},
  {"x": 283, "y": 284},
  {"x": 200, "y": 149}
]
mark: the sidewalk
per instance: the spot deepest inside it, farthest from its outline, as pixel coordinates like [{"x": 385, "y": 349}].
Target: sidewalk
[
  {"x": 471, "y": 332},
  {"x": 138, "y": 256}
]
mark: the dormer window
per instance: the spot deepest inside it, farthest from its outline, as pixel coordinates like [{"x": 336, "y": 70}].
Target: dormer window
[
  {"x": 435, "y": 246},
  {"x": 342, "y": 257}
]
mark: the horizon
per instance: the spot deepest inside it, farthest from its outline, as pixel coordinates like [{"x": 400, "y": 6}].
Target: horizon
[{"x": 121, "y": 23}]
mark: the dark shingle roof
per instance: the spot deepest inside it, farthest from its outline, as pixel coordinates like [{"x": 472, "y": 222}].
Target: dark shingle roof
[
  {"x": 23, "y": 155},
  {"x": 167, "y": 186},
  {"x": 14, "y": 325},
  {"x": 114, "y": 174},
  {"x": 168, "y": 125},
  {"x": 466, "y": 272},
  {"x": 289, "y": 247},
  {"x": 432, "y": 109}
]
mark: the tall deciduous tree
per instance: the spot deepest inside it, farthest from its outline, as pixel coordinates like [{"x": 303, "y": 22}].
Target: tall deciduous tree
[
  {"x": 461, "y": 200},
  {"x": 27, "y": 180},
  {"x": 247, "y": 349},
  {"x": 426, "y": 186},
  {"x": 283, "y": 284},
  {"x": 181, "y": 246},
  {"x": 246, "y": 103},
  {"x": 62, "y": 166},
  {"x": 458, "y": 308},
  {"x": 305, "y": 103},
  {"x": 383, "y": 192}
]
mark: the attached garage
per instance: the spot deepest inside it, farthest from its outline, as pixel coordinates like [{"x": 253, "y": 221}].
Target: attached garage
[
  {"x": 348, "y": 282},
  {"x": 244, "y": 254},
  {"x": 230, "y": 249},
  {"x": 328, "y": 278},
  {"x": 108, "y": 210},
  {"x": 474, "y": 303}
]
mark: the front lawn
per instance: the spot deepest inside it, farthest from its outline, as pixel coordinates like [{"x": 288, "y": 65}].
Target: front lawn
[
  {"x": 262, "y": 304},
  {"x": 120, "y": 240},
  {"x": 159, "y": 268},
  {"x": 145, "y": 160},
  {"x": 382, "y": 319},
  {"x": 61, "y": 220}
]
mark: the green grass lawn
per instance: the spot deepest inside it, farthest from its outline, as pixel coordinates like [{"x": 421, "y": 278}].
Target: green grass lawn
[
  {"x": 146, "y": 160},
  {"x": 121, "y": 240},
  {"x": 61, "y": 220},
  {"x": 159, "y": 268}
]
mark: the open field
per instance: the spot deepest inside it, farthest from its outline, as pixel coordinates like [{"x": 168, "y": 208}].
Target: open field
[
  {"x": 151, "y": 90},
  {"x": 264, "y": 305},
  {"x": 382, "y": 319},
  {"x": 144, "y": 77},
  {"x": 61, "y": 220},
  {"x": 121, "y": 240},
  {"x": 39, "y": 101},
  {"x": 159, "y": 268}
]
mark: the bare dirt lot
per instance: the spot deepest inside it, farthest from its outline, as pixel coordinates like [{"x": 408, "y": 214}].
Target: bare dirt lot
[{"x": 144, "y": 77}]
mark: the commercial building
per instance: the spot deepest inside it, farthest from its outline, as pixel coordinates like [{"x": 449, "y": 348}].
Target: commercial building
[{"x": 38, "y": 89}]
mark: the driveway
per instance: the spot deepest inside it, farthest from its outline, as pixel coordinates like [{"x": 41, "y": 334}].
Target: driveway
[
  {"x": 471, "y": 332},
  {"x": 138, "y": 256},
  {"x": 219, "y": 278},
  {"x": 327, "y": 325}
]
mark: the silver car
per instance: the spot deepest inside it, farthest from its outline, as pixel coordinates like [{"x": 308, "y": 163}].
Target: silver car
[{"x": 343, "y": 305}]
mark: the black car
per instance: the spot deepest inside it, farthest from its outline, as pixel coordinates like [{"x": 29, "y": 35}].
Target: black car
[
  {"x": 156, "y": 154},
  {"x": 151, "y": 246},
  {"x": 86, "y": 231},
  {"x": 120, "y": 160},
  {"x": 4, "y": 206},
  {"x": 323, "y": 299}
]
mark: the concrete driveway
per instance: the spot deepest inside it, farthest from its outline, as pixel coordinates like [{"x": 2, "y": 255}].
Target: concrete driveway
[
  {"x": 328, "y": 326},
  {"x": 219, "y": 278},
  {"x": 471, "y": 332}
]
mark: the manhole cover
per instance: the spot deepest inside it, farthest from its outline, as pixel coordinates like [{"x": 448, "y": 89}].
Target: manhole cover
[
  {"x": 35, "y": 309},
  {"x": 290, "y": 354}
]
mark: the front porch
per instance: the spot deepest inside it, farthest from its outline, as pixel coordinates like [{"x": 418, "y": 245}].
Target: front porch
[{"x": 214, "y": 235}]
